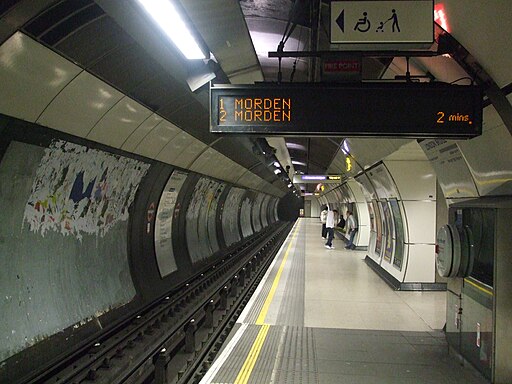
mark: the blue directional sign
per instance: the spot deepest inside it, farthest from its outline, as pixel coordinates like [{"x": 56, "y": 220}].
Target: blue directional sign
[{"x": 390, "y": 22}]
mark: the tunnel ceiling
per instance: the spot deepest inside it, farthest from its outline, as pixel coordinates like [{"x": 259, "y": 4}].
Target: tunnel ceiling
[
  {"x": 91, "y": 35},
  {"x": 111, "y": 39},
  {"x": 267, "y": 22}
]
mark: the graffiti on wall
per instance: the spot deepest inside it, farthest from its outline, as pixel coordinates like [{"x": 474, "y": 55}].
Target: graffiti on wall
[{"x": 78, "y": 190}]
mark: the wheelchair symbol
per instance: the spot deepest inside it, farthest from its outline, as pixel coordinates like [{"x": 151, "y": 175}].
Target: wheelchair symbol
[{"x": 363, "y": 25}]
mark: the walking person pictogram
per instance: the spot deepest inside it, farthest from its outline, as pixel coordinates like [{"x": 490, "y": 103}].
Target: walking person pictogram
[{"x": 394, "y": 17}]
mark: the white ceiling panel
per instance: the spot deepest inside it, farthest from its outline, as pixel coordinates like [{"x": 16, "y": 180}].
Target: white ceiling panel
[
  {"x": 491, "y": 169},
  {"x": 237, "y": 173},
  {"x": 344, "y": 165},
  {"x": 367, "y": 152},
  {"x": 191, "y": 152},
  {"x": 224, "y": 29},
  {"x": 31, "y": 75},
  {"x": 214, "y": 164},
  {"x": 203, "y": 163},
  {"x": 171, "y": 152},
  {"x": 263, "y": 185},
  {"x": 483, "y": 28},
  {"x": 444, "y": 68},
  {"x": 277, "y": 192},
  {"x": 249, "y": 179},
  {"x": 415, "y": 180},
  {"x": 234, "y": 172},
  {"x": 80, "y": 105},
  {"x": 219, "y": 165},
  {"x": 239, "y": 181},
  {"x": 157, "y": 139},
  {"x": 409, "y": 151},
  {"x": 256, "y": 182},
  {"x": 181, "y": 150},
  {"x": 141, "y": 132},
  {"x": 119, "y": 123}
]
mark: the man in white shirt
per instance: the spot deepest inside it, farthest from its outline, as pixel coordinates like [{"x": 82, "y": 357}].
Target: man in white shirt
[
  {"x": 351, "y": 230},
  {"x": 330, "y": 223}
]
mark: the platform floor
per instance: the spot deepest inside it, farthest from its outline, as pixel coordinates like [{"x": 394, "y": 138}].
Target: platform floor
[{"x": 323, "y": 316}]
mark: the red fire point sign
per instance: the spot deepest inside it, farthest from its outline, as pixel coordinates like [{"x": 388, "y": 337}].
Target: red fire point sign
[{"x": 334, "y": 66}]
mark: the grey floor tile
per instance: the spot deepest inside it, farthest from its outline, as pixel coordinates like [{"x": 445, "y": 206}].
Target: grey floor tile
[{"x": 343, "y": 290}]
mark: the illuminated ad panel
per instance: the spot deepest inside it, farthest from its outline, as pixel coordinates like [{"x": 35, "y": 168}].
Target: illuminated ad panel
[{"x": 368, "y": 109}]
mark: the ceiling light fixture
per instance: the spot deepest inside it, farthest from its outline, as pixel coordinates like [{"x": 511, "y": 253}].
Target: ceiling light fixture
[
  {"x": 344, "y": 147},
  {"x": 314, "y": 177},
  {"x": 171, "y": 22},
  {"x": 295, "y": 146}
]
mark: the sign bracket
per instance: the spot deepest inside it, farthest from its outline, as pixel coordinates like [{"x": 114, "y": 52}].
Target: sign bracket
[{"x": 362, "y": 53}]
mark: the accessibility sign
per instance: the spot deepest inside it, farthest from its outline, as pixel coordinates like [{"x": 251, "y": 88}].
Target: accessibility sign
[{"x": 390, "y": 22}]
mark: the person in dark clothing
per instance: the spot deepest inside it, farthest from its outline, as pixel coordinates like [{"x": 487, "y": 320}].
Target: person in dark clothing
[
  {"x": 351, "y": 230},
  {"x": 330, "y": 223},
  {"x": 323, "y": 218}
]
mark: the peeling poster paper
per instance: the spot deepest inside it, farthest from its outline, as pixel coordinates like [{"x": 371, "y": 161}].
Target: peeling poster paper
[{"x": 80, "y": 191}]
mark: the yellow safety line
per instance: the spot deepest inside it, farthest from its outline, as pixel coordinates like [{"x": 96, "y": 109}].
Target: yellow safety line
[
  {"x": 479, "y": 287},
  {"x": 252, "y": 357},
  {"x": 250, "y": 362},
  {"x": 270, "y": 297}
]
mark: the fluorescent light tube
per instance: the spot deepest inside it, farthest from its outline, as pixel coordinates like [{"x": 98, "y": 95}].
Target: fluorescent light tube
[
  {"x": 168, "y": 18},
  {"x": 313, "y": 177}
]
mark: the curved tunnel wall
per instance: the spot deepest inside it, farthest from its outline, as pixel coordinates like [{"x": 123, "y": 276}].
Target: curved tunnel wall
[
  {"x": 66, "y": 97},
  {"x": 476, "y": 167},
  {"x": 68, "y": 208},
  {"x": 394, "y": 207},
  {"x": 90, "y": 234}
]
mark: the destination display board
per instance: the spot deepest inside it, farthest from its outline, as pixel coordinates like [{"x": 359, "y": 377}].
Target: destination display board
[{"x": 368, "y": 109}]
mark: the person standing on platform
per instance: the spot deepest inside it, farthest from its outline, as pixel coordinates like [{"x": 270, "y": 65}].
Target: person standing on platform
[
  {"x": 330, "y": 223},
  {"x": 351, "y": 230},
  {"x": 323, "y": 218}
]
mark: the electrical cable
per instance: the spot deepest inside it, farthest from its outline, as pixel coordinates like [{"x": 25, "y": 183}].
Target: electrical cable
[
  {"x": 464, "y": 78},
  {"x": 295, "y": 62}
]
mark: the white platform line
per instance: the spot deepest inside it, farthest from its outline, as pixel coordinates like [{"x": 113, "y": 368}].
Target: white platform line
[{"x": 217, "y": 365}]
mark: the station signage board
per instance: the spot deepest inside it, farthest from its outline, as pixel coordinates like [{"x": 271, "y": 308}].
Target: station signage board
[
  {"x": 416, "y": 110},
  {"x": 390, "y": 22},
  {"x": 313, "y": 179}
]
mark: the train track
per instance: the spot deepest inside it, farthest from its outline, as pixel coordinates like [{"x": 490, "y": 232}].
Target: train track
[{"x": 174, "y": 339}]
